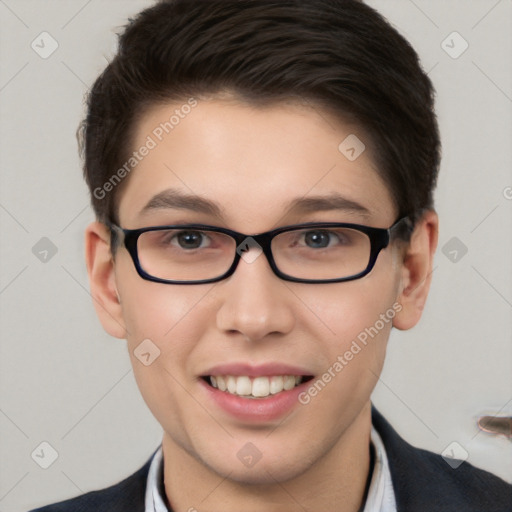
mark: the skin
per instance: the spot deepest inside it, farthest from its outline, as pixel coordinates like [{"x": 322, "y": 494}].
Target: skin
[{"x": 252, "y": 161}]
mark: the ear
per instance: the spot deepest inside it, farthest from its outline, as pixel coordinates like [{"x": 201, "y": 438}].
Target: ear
[
  {"x": 417, "y": 265},
  {"x": 102, "y": 279}
]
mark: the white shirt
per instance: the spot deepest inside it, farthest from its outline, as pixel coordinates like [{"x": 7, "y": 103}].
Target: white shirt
[{"x": 381, "y": 496}]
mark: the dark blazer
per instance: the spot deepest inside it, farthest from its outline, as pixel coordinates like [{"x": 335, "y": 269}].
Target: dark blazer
[{"x": 422, "y": 481}]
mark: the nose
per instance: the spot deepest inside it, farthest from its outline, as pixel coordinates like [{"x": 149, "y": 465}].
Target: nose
[{"x": 254, "y": 301}]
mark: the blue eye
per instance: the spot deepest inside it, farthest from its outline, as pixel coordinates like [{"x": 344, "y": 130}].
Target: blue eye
[
  {"x": 325, "y": 238},
  {"x": 317, "y": 239}
]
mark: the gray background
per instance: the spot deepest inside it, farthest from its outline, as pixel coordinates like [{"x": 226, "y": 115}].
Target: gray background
[{"x": 66, "y": 382}]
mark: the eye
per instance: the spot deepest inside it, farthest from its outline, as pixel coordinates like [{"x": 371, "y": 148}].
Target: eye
[
  {"x": 189, "y": 239},
  {"x": 318, "y": 239}
]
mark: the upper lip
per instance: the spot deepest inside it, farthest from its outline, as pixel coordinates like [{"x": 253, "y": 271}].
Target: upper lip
[{"x": 261, "y": 370}]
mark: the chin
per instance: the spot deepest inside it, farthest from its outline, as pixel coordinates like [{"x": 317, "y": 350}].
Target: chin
[{"x": 264, "y": 472}]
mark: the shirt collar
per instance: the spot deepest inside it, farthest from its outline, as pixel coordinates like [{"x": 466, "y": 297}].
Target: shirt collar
[
  {"x": 154, "y": 498},
  {"x": 381, "y": 496}
]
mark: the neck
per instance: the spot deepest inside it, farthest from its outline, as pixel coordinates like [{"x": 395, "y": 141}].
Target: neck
[{"x": 336, "y": 481}]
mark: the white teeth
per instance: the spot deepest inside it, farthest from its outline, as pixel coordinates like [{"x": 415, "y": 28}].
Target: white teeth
[
  {"x": 276, "y": 385},
  {"x": 231, "y": 383},
  {"x": 243, "y": 386},
  {"x": 261, "y": 386},
  {"x": 289, "y": 382},
  {"x": 258, "y": 387},
  {"x": 221, "y": 383}
]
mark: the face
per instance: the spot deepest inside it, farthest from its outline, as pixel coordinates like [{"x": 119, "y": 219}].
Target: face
[{"x": 252, "y": 163}]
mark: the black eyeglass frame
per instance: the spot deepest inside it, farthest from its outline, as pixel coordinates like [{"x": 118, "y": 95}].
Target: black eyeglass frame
[{"x": 379, "y": 239}]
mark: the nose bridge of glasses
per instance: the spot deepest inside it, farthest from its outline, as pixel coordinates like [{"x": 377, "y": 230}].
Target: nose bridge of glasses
[{"x": 249, "y": 247}]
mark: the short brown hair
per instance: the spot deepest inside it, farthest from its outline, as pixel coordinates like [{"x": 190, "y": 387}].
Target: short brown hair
[{"x": 340, "y": 54}]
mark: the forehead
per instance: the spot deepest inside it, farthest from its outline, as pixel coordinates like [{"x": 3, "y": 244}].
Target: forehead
[{"x": 247, "y": 166}]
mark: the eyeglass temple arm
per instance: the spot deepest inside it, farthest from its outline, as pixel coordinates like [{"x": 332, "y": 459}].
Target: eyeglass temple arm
[{"x": 402, "y": 228}]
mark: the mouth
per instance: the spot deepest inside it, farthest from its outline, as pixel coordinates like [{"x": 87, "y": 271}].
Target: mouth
[{"x": 255, "y": 387}]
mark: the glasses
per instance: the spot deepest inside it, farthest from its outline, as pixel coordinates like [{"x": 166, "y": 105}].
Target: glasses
[{"x": 326, "y": 252}]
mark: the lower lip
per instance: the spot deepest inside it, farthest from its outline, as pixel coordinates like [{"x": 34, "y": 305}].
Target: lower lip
[{"x": 255, "y": 410}]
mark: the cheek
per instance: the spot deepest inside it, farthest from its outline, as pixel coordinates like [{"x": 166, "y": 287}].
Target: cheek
[
  {"x": 155, "y": 310},
  {"x": 349, "y": 309},
  {"x": 166, "y": 322},
  {"x": 354, "y": 322}
]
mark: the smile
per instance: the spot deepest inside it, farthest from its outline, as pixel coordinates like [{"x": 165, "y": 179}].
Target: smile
[{"x": 255, "y": 387}]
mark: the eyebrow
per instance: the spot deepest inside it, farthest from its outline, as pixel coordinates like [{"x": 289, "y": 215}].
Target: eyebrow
[
  {"x": 173, "y": 199},
  {"x": 325, "y": 203}
]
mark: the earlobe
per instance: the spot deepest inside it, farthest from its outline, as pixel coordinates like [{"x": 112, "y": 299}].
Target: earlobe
[
  {"x": 102, "y": 280},
  {"x": 417, "y": 271}
]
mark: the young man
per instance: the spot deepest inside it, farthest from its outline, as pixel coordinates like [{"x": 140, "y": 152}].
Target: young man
[{"x": 262, "y": 175}]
